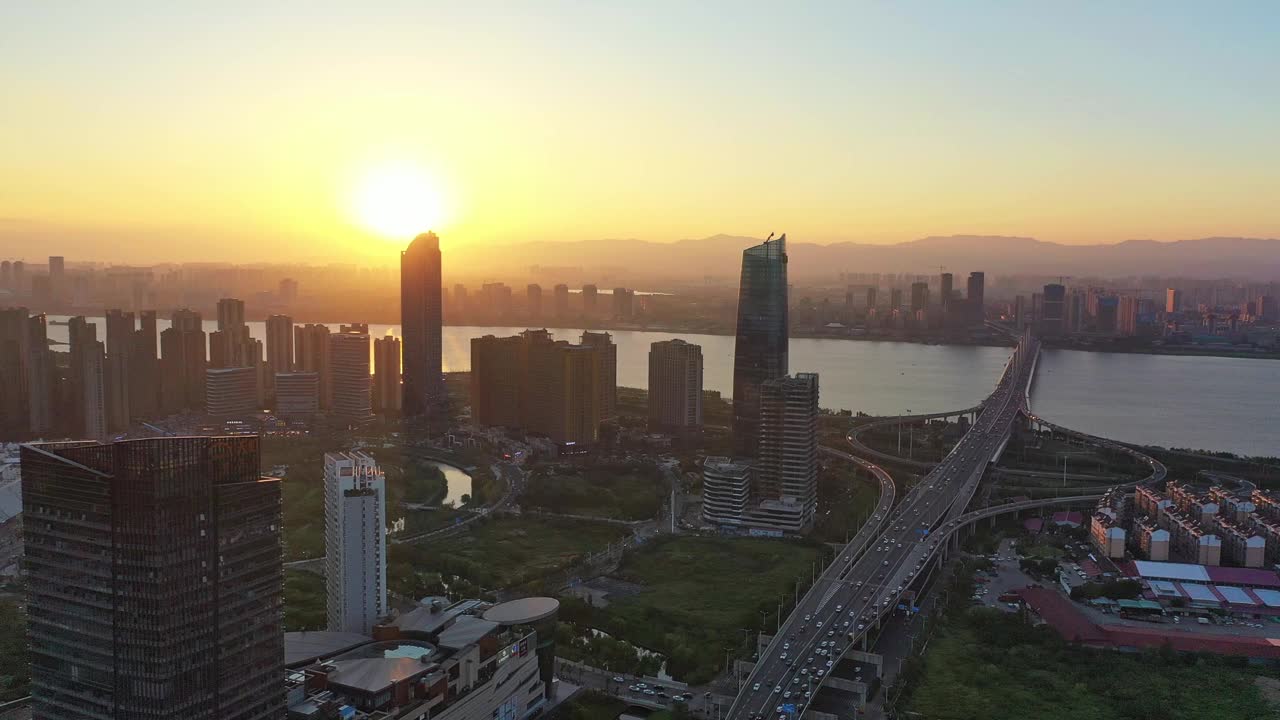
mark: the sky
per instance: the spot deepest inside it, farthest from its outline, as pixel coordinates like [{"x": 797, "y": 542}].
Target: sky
[{"x": 305, "y": 131}]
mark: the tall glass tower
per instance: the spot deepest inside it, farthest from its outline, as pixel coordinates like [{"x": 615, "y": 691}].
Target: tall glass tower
[
  {"x": 760, "y": 352},
  {"x": 420, "y": 320}
]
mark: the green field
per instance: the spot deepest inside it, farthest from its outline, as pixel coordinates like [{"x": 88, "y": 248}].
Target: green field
[
  {"x": 625, "y": 491},
  {"x": 695, "y": 597},
  {"x": 499, "y": 553},
  {"x": 989, "y": 665},
  {"x": 304, "y": 601}
]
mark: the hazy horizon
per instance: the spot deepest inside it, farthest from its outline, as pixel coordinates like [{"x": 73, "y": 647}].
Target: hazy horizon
[{"x": 290, "y": 132}]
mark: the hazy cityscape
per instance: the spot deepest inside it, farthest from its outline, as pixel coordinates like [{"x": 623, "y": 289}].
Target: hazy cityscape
[{"x": 413, "y": 363}]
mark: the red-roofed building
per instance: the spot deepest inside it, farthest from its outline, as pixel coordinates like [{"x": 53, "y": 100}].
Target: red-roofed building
[
  {"x": 1068, "y": 518},
  {"x": 1074, "y": 626},
  {"x": 1033, "y": 525}
]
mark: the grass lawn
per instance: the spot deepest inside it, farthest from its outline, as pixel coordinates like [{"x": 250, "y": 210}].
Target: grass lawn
[
  {"x": 304, "y": 601},
  {"x": 990, "y": 665},
  {"x": 626, "y": 491},
  {"x": 502, "y": 552},
  {"x": 696, "y": 597}
]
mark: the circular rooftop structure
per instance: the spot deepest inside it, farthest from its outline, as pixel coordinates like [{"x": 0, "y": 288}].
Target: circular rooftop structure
[{"x": 522, "y": 612}]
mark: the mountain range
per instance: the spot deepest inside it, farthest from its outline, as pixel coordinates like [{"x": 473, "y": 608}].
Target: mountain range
[{"x": 1256, "y": 259}]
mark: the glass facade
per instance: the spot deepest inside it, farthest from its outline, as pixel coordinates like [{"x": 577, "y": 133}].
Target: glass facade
[
  {"x": 155, "y": 580},
  {"x": 420, "y": 320},
  {"x": 760, "y": 350}
]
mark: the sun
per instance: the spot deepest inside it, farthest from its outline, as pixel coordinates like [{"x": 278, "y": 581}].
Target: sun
[{"x": 398, "y": 201}]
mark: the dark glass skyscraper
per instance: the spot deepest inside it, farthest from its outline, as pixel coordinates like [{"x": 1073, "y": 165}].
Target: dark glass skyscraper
[
  {"x": 154, "y": 580},
  {"x": 760, "y": 350},
  {"x": 420, "y": 319}
]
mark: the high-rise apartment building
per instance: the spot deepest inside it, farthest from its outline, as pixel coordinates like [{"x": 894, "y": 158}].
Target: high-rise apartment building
[
  {"x": 182, "y": 363},
  {"x": 355, "y": 542},
  {"x": 57, "y": 278},
  {"x": 154, "y": 580},
  {"x": 760, "y": 347},
  {"x": 607, "y": 358},
  {"x": 288, "y": 291},
  {"x": 116, "y": 370},
  {"x": 311, "y": 355},
  {"x": 919, "y": 296},
  {"x": 144, "y": 367},
  {"x": 946, "y": 286},
  {"x": 1053, "y": 310},
  {"x": 279, "y": 344},
  {"x": 41, "y": 376},
  {"x": 590, "y": 300},
  {"x": 562, "y": 301},
  {"x": 675, "y": 387},
  {"x": 786, "y": 472},
  {"x": 1172, "y": 300},
  {"x": 555, "y": 385},
  {"x": 496, "y": 379},
  {"x": 387, "y": 394},
  {"x": 533, "y": 300},
  {"x": 15, "y": 358},
  {"x": 624, "y": 302},
  {"x": 88, "y": 358},
  {"x": 1127, "y": 316},
  {"x": 420, "y": 320},
  {"x": 460, "y": 298},
  {"x": 349, "y": 370}
]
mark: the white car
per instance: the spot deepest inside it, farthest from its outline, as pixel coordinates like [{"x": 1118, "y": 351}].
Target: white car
[{"x": 755, "y": 688}]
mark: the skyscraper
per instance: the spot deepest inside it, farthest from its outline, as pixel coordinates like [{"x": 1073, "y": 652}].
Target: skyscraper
[
  {"x": 311, "y": 355},
  {"x": 975, "y": 297},
  {"x": 154, "y": 580},
  {"x": 786, "y": 474},
  {"x": 623, "y": 303},
  {"x": 589, "y": 300},
  {"x": 1172, "y": 300},
  {"x": 1053, "y": 310},
  {"x": 760, "y": 347},
  {"x": 607, "y": 359},
  {"x": 387, "y": 394},
  {"x": 675, "y": 387},
  {"x": 355, "y": 542},
  {"x": 420, "y": 320},
  {"x": 349, "y": 368}
]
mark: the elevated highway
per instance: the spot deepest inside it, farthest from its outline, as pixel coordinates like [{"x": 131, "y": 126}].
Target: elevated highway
[
  {"x": 865, "y": 581},
  {"x": 855, "y": 436}
]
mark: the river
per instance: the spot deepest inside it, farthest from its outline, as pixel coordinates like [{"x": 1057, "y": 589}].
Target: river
[{"x": 1175, "y": 401}]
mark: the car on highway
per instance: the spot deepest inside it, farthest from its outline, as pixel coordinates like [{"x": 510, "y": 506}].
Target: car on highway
[{"x": 755, "y": 688}]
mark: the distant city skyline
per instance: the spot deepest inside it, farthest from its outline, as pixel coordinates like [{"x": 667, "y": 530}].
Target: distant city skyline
[{"x": 253, "y": 133}]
